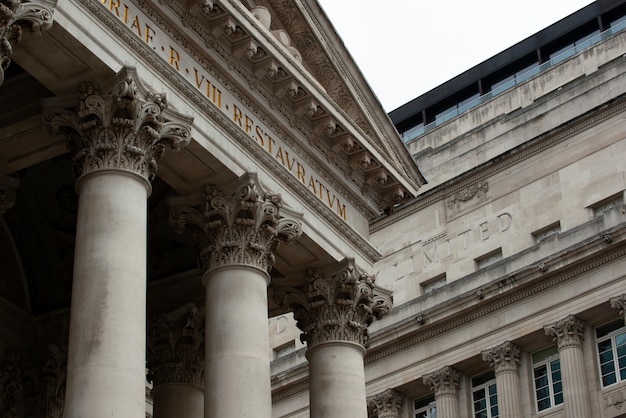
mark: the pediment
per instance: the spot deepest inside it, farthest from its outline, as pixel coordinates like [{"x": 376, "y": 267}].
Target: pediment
[{"x": 289, "y": 52}]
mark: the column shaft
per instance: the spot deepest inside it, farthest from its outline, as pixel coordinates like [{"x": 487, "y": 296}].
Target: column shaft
[
  {"x": 107, "y": 326},
  {"x": 337, "y": 380},
  {"x": 575, "y": 393},
  {"x": 448, "y": 406},
  {"x": 509, "y": 402},
  {"x": 237, "y": 374}
]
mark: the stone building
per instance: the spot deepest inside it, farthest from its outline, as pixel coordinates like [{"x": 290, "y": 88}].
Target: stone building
[{"x": 175, "y": 174}]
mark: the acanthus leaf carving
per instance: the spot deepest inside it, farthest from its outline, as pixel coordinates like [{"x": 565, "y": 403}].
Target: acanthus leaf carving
[
  {"x": 243, "y": 228},
  {"x": 335, "y": 307},
  {"x": 125, "y": 129}
]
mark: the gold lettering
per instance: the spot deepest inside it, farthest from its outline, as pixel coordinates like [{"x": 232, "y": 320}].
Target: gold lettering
[
  {"x": 249, "y": 124},
  {"x": 300, "y": 173},
  {"x": 331, "y": 203},
  {"x": 137, "y": 26},
  {"x": 321, "y": 195},
  {"x": 114, "y": 6},
  {"x": 149, "y": 36},
  {"x": 289, "y": 162},
  {"x": 341, "y": 210},
  {"x": 271, "y": 142},
  {"x": 198, "y": 81},
  {"x": 237, "y": 114},
  {"x": 174, "y": 58},
  {"x": 259, "y": 135},
  {"x": 126, "y": 14},
  {"x": 279, "y": 155},
  {"x": 312, "y": 185}
]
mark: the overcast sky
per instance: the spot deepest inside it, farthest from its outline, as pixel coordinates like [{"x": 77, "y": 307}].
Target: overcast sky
[{"x": 407, "y": 47}]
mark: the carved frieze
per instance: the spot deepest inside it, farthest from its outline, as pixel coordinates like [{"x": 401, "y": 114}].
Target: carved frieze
[
  {"x": 504, "y": 358},
  {"x": 387, "y": 404},
  {"x": 478, "y": 191},
  {"x": 15, "y": 14},
  {"x": 568, "y": 332},
  {"x": 176, "y": 347},
  {"x": 335, "y": 307},
  {"x": 127, "y": 128},
  {"x": 444, "y": 382},
  {"x": 244, "y": 227}
]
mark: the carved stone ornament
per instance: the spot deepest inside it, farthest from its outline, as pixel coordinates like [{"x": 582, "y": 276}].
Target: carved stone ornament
[
  {"x": 17, "y": 383},
  {"x": 387, "y": 404},
  {"x": 15, "y": 14},
  {"x": 176, "y": 347},
  {"x": 468, "y": 194},
  {"x": 568, "y": 332},
  {"x": 504, "y": 358},
  {"x": 336, "y": 307},
  {"x": 619, "y": 303},
  {"x": 54, "y": 378},
  {"x": 444, "y": 382},
  {"x": 243, "y": 228},
  {"x": 8, "y": 186},
  {"x": 125, "y": 129}
]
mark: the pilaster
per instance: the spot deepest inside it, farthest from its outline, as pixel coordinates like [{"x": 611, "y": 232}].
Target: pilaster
[
  {"x": 445, "y": 383},
  {"x": 387, "y": 404},
  {"x": 14, "y": 15}
]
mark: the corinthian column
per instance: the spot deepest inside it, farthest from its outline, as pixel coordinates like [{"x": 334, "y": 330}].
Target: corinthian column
[
  {"x": 116, "y": 139},
  {"x": 334, "y": 313},
  {"x": 445, "y": 384},
  {"x": 568, "y": 333},
  {"x": 13, "y": 16},
  {"x": 237, "y": 234},
  {"x": 176, "y": 363},
  {"x": 505, "y": 360},
  {"x": 387, "y": 404}
]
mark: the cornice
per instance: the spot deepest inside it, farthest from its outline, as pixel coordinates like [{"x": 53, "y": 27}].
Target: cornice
[
  {"x": 525, "y": 283},
  {"x": 502, "y": 163},
  {"x": 167, "y": 72}
]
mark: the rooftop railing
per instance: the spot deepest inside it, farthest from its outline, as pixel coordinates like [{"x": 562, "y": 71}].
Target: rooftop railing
[{"x": 415, "y": 133}]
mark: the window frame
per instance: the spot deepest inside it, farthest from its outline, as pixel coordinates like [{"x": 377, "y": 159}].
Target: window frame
[
  {"x": 490, "y": 381},
  {"x": 547, "y": 362},
  {"x": 611, "y": 336},
  {"x": 428, "y": 408}
]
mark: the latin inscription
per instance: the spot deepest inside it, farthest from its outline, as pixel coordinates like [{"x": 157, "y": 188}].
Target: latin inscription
[{"x": 184, "y": 64}]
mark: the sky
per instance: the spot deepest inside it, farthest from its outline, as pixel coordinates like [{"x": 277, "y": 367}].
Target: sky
[{"x": 406, "y": 47}]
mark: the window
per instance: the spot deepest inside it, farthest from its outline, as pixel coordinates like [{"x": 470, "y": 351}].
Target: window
[
  {"x": 611, "y": 340},
  {"x": 547, "y": 378},
  {"x": 485, "y": 396},
  {"x": 425, "y": 408}
]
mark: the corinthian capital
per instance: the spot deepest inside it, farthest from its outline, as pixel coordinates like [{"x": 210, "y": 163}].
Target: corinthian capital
[
  {"x": 444, "y": 382},
  {"x": 567, "y": 332},
  {"x": 15, "y": 14},
  {"x": 335, "y": 307},
  {"x": 176, "y": 347},
  {"x": 387, "y": 404},
  {"x": 504, "y": 358},
  {"x": 619, "y": 303},
  {"x": 126, "y": 129},
  {"x": 243, "y": 227}
]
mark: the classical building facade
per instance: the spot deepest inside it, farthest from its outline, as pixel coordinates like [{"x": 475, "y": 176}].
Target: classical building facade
[{"x": 177, "y": 175}]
